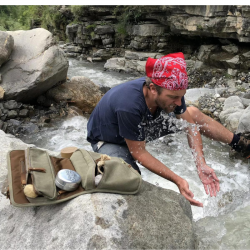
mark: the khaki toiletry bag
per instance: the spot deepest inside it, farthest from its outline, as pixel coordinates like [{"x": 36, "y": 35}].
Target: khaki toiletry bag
[{"x": 35, "y": 166}]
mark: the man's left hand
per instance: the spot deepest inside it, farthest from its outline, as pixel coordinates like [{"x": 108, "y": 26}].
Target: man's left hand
[{"x": 209, "y": 180}]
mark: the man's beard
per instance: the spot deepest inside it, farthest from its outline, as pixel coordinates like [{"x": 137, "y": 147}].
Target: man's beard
[{"x": 167, "y": 109}]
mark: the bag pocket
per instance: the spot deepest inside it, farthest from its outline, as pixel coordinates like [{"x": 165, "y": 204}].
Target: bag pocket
[
  {"x": 42, "y": 172},
  {"x": 119, "y": 177},
  {"x": 85, "y": 167}
]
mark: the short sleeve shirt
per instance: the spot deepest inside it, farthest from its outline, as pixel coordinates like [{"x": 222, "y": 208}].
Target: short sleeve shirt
[{"x": 122, "y": 113}]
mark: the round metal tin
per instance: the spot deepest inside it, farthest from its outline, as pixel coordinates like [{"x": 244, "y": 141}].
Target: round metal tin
[{"x": 67, "y": 180}]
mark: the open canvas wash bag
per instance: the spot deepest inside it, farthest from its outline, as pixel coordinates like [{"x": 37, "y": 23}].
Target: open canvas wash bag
[{"x": 35, "y": 166}]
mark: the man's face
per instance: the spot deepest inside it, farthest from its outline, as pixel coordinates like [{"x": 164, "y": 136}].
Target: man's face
[{"x": 169, "y": 99}]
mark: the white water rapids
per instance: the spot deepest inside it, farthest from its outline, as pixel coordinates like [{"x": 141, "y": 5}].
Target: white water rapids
[{"x": 223, "y": 221}]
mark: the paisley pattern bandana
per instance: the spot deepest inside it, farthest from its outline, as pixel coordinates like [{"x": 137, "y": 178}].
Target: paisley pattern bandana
[{"x": 168, "y": 71}]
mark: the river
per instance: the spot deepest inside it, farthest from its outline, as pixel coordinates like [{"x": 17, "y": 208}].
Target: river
[{"x": 223, "y": 222}]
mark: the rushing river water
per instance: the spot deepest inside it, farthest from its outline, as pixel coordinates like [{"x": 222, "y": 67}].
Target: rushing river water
[{"x": 223, "y": 222}]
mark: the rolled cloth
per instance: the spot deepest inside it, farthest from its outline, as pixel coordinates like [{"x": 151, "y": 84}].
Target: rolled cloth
[{"x": 168, "y": 71}]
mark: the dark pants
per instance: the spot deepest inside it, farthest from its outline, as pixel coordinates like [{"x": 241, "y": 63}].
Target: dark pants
[{"x": 117, "y": 150}]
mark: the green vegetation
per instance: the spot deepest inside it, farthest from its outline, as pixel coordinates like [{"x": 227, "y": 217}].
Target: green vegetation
[
  {"x": 78, "y": 10},
  {"x": 25, "y": 17},
  {"x": 14, "y": 18}
]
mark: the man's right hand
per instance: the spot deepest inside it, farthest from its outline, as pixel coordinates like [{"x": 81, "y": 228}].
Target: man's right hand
[{"x": 184, "y": 190}]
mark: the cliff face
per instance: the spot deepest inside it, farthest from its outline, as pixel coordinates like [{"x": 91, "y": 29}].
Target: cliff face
[{"x": 215, "y": 35}]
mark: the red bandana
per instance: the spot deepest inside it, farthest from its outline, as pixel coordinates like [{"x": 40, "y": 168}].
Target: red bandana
[{"x": 168, "y": 71}]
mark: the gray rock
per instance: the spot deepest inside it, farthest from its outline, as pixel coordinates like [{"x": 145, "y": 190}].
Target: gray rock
[
  {"x": 247, "y": 95},
  {"x": 104, "y": 29},
  {"x": 231, "y": 48},
  {"x": 147, "y": 30},
  {"x": 138, "y": 45},
  {"x": 245, "y": 101},
  {"x": 72, "y": 49},
  {"x": 162, "y": 45},
  {"x": 81, "y": 90},
  {"x": 11, "y": 104},
  {"x": 233, "y": 62},
  {"x": 247, "y": 55},
  {"x": 231, "y": 83},
  {"x": 14, "y": 123},
  {"x": 24, "y": 113},
  {"x": 103, "y": 54},
  {"x": 155, "y": 218},
  {"x": 107, "y": 41},
  {"x": 115, "y": 64},
  {"x": 142, "y": 56},
  {"x": 232, "y": 72},
  {"x": 36, "y": 65},
  {"x": 233, "y": 102},
  {"x": 1, "y": 124},
  {"x": 28, "y": 128},
  {"x": 12, "y": 114},
  {"x": 205, "y": 51},
  {"x": 6, "y": 46},
  {"x": 244, "y": 124}
]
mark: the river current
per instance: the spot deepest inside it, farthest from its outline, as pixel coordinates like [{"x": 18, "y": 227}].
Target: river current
[{"x": 223, "y": 222}]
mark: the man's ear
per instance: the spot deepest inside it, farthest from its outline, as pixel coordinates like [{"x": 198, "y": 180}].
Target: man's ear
[{"x": 152, "y": 88}]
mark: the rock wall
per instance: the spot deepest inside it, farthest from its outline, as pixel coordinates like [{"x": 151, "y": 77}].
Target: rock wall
[{"x": 154, "y": 27}]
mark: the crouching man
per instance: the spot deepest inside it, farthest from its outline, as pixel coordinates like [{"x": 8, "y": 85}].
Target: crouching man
[{"x": 132, "y": 113}]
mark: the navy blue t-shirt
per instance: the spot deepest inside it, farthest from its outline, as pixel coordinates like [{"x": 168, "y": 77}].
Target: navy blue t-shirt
[{"x": 122, "y": 113}]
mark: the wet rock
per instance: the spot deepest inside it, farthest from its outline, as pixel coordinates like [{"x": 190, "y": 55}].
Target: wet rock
[
  {"x": 81, "y": 92},
  {"x": 6, "y": 46},
  {"x": 28, "y": 128},
  {"x": 12, "y": 114},
  {"x": 12, "y": 104},
  {"x": 1, "y": 124},
  {"x": 24, "y": 113},
  {"x": 74, "y": 111}
]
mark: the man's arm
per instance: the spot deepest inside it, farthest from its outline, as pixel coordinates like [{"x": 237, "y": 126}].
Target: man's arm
[
  {"x": 206, "y": 174},
  {"x": 139, "y": 153}
]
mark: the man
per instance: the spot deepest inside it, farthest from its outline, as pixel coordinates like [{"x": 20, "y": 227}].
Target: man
[{"x": 132, "y": 113}]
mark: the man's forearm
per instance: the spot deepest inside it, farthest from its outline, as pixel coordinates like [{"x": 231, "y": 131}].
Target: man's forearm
[
  {"x": 154, "y": 165},
  {"x": 195, "y": 143}
]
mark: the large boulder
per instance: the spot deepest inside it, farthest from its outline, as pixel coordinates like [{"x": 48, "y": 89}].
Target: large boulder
[
  {"x": 232, "y": 112},
  {"x": 6, "y": 46},
  {"x": 244, "y": 124},
  {"x": 80, "y": 91},
  {"x": 155, "y": 218},
  {"x": 36, "y": 65},
  {"x": 115, "y": 64}
]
